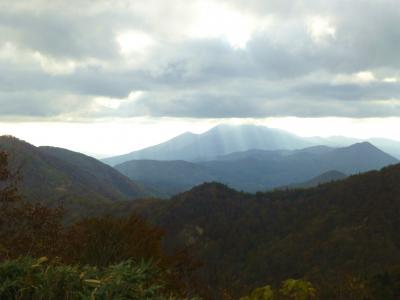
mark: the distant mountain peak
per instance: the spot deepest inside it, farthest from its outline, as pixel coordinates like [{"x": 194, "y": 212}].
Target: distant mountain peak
[
  {"x": 219, "y": 140},
  {"x": 364, "y": 146},
  {"x": 229, "y": 138},
  {"x": 186, "y": 133}
]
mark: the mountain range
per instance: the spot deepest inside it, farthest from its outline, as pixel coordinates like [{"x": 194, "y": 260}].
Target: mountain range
[
  {"x": 342, "y": 232},
  {"x": 225, "y": 139},
  {"x": 70, "y": 177},
  {"x": 220, "y": 140},
  {"x": 256, "y": 170}
]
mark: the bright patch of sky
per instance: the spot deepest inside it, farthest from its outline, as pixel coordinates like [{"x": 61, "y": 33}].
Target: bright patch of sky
[
  {"x": 134, "y": 42},
  {"x": 218, "y": 20},
  {"x": 320, "y": 28}
]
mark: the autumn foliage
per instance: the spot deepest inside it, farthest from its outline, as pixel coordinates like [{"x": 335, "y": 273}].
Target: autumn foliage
[
  {"x": 26, "y": 228},
  {"x": 34, "y": 230},
  {"x": 339, "y": 240}
]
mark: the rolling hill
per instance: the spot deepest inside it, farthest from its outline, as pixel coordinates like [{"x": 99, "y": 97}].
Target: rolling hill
[{"x": 54, "y": 175}]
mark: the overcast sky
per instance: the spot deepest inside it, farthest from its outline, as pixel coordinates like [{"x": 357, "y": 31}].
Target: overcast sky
[{"x": 135, "y": 73}]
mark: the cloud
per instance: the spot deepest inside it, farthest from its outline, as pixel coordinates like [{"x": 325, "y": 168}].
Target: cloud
[
  {"x": 204, "y": 59},
  {"x": 40, "y": 104}
]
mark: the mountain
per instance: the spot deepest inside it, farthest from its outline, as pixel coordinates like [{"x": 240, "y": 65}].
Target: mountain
[
  {"x": 54, "y": 175},
  {"x": 360, "y": 157},
  {"x": 220, "y": 140},
  {"x": 320, "y": 179},
  {"x": 331, "y": 234},
  {"x": 257, "y": 170},
  {"x": 276, "y": 154},
  {"x": 389, "y": 146},
  {"x": 225, "y": 139}
]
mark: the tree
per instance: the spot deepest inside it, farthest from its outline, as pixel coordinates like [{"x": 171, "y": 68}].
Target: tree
[
  {"x": 293, "y": 289},
  {"x": 25, "y": 228},
  {"x": 386, "y": 285},
  {"x": 107, "y": 240},
  {"x": 298, "y": 289},
  {"x": 33, "y": 230}
]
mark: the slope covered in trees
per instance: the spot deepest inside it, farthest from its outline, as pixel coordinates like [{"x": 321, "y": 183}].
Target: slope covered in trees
[
  {"x": 95, "y": 258},
  {"x": 333, "y": 234},
  {"x": 340, "y": 236},
  {"x": 54, "y": 176}
]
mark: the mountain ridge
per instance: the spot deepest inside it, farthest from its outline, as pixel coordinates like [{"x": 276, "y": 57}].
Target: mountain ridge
[
  {"x": 258, "y": 170},
  {"x": 55, "y": 175},
  {"x": 219, "y": 140},
  {"x": 224, "y": 139}
]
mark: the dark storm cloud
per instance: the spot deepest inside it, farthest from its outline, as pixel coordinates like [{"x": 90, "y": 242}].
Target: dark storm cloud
[{"x": 56, "y": 60}]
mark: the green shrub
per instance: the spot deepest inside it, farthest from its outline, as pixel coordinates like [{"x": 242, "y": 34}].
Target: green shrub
[
  {"x": 292, "y": 289},
  {"x": 34, "y": 279}
]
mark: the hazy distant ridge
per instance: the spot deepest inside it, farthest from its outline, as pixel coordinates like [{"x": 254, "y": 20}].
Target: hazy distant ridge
[
  {"x": 257, "y": 170},
  {"x": 220, "y": 140},
  {"x": 225, "y": 139}
]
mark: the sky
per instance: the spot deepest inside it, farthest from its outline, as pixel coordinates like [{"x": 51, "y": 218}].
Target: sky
[{"x": 109, "y": 77}]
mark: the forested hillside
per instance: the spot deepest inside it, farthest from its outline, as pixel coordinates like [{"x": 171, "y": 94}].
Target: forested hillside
[
  {"x": 340, "y": 239},
  {"x": 96, "y": 258},
  {"x": 331, "y": 234},
  {"x": 225, "y": 150},
  {"x": 58, "y": 176}
]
